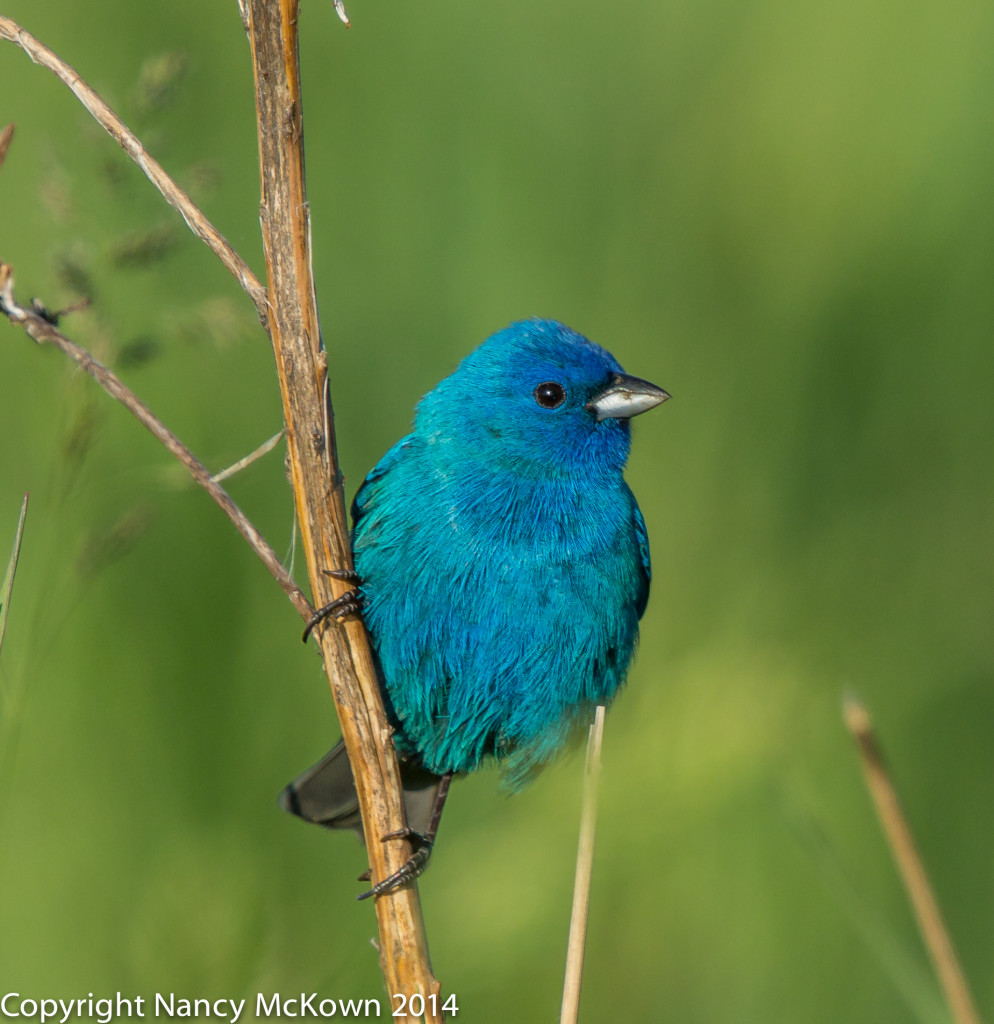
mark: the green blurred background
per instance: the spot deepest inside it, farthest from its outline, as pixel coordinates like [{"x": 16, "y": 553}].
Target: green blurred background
[{"x": 783, "y": 213}]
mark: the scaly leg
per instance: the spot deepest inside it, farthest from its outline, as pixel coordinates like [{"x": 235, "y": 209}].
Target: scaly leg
[
  {"x": 421, "y": 841},
  {"x": 350, "y": 603}
]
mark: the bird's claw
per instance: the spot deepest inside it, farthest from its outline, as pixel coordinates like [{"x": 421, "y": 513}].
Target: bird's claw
[
  {"x": 350, "y": 603},
  {"x": 421, "y": 844},
  {"x": 411, "y": 869},
  {"x": 343, "y": 574},
  {"x": 417, "y": 839}
]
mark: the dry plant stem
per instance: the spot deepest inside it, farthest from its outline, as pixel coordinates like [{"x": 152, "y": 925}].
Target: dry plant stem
[
  {"x": 317, "y": 482},
  {"x": 264, "y": 449},
  {"x": 926, "y": 907},
  {"x": 584, "y": 867},
  {"x": 7, "y": 586},
  {"x": 5, "y": 136},
  {"x": 127, "y": 140},
  {"x": 43, "y": 331}
]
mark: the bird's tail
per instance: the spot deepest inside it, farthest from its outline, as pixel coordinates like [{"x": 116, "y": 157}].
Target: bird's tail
[{"x": 326, "y": 795}]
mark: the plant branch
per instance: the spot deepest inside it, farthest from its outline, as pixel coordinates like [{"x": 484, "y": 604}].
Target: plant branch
[
  {"x": 264, "y": 449},
  {"x": 584, "y": 869},
  {"x": 131, "y": 145},
  {"x": 5, "y": 136},
  {"x": 38, "y": 323},
  {"x": 909, "y": 863},
  {"x": 7, "y": 586},
  {"x": 317, "y": 482}
]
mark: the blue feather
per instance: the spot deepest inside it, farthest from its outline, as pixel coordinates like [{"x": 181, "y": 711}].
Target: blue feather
[{"x": 504, "y": 560}]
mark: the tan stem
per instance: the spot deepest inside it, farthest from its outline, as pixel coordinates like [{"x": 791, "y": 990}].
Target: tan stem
[
  {"x": 317, "y": 482},
  {"x": 584, "y": 870},
  {"x": 5, "y": 136},
  {"x": 253, "y": 456},
  {"x": 916, "y": 883}
]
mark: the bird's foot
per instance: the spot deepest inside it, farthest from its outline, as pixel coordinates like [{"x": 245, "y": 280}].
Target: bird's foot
[
  {"x": 412, "y": 868},
  {"x": 350, "y": 603}
]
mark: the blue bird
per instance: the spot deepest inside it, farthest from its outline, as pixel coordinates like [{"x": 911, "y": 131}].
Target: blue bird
[{"x": 502, "y": 567}]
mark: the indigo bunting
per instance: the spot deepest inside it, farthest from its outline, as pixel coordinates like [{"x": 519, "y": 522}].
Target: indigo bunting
[{"x": 502, "y": 567}]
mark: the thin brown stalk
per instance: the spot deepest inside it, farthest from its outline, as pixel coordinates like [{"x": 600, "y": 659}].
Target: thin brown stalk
[
  {"x": 584, "y": 870},
  {"x": 5, "y": 136},
  {"x": 317, "y": 483},
  {"x": 41, "y": 328},
  {"x": 7, "y": 585},
  {"x": 131, "y": 145},
  {"x": 909, "y": 863},
  {"x": 236, "y": 467}
]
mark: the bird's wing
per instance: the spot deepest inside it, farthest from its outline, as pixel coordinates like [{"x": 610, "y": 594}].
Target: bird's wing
[
  {"x": 367, "y": 492},
  {"x": 642, "y": 535}
]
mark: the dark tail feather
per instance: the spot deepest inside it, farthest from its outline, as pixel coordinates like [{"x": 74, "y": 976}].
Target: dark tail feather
[{"x": 325, "y": 794}]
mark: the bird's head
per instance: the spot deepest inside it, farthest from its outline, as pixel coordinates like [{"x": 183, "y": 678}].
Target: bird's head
[{"x": 540, "y": 397}]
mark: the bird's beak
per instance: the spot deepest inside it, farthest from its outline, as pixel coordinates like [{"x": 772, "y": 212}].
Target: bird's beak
[{"x": 625, "y": 397}]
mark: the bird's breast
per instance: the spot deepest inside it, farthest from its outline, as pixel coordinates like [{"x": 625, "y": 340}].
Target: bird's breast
[{"x": 496, "y": 608}]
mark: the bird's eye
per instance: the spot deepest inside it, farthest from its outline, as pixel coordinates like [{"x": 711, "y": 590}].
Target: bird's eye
[{"x": 550, "y": 395}]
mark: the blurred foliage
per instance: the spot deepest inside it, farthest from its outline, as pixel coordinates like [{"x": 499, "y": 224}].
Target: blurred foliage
[{"x": 780, "y": 212}]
